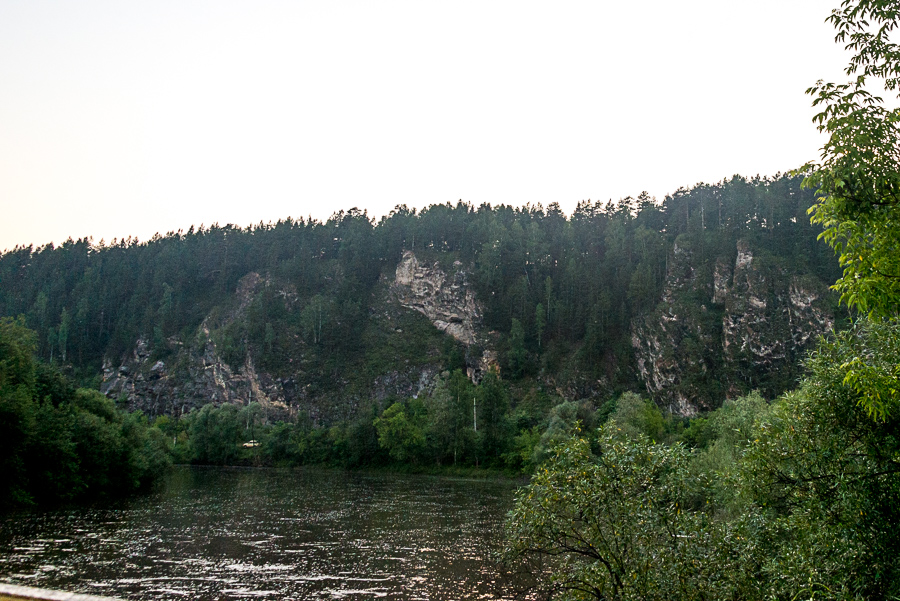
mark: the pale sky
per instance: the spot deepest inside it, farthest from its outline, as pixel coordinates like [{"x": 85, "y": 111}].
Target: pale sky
[{"x": 129, "y": 118}]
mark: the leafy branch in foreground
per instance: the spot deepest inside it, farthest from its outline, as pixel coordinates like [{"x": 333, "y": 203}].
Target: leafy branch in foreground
[{"x": 859, "y": 173}]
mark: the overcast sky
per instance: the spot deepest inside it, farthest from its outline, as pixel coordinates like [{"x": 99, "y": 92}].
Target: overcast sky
[{"x": 129, "y": 118}]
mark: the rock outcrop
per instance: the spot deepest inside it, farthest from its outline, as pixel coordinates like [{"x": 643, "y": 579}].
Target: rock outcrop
[
  {"x": 674, "y": 344},
  {"x": 770, "y": 316},
  {"x": 191, "y": 377},
  {"x": 176, "y": 376},
  {"x": 448, "y": 302},
  {"x": 445, "y": 300},
  {"x": 716, "y": 335}
]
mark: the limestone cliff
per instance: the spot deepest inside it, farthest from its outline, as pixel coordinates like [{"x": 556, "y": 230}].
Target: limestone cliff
[
  {"x": 745, "y": 323},
  {"x": 675, "y": 345},
  {"x": 721, "y": 328},
  {"x": 448, "y": 302},
  {"x": 175, "y": 376},
  {"x": 771, "y": 316}
]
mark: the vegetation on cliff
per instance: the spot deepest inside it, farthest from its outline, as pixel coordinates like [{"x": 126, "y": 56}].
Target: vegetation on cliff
[{"x": 559, "y": 295}]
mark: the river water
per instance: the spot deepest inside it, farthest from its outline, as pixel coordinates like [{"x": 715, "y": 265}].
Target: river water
[{"x": 221, "y": 533}]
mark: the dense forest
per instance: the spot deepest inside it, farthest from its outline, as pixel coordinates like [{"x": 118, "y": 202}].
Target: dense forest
[{"x": 556, "y": 290}]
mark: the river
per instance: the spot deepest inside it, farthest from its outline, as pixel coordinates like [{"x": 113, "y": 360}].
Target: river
[{"x": 232, "y": 533}]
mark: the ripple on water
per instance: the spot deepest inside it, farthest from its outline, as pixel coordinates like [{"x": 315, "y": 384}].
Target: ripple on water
[{"x": 237, "y": 534}]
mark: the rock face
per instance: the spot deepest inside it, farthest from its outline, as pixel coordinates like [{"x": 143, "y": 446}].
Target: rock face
[
  {"x": 187, "y": 375},
  {"x": 770, "y": 316},
  {"x": 673, "y": 343},
  {"x": 743, "y": 325},
  {"x": 447, "y": 301},
  {"x": 190, "y": 380},
  {"x": 193, "y": 377}
]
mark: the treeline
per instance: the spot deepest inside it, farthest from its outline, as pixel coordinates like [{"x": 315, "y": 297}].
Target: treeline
[
  {"x": 63, "y": 444},
  {"x": 550, "y": 284},
  {"x": 458, "y": 426}
]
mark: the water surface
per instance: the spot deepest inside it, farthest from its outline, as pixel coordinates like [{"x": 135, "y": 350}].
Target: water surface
[{"x": 220, "y": 533}]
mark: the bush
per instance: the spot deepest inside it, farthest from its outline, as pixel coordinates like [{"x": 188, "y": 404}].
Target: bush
[{"x": 614, "y": 523}]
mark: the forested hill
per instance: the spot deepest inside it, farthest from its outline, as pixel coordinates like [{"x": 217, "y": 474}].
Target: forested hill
[{"x": 717, "y": 290}]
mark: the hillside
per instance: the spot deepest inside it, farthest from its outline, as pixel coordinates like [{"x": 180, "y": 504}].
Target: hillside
[{"x": 713, "y": 292}]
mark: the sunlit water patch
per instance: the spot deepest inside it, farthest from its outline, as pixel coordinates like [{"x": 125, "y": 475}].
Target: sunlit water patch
[{"x": 270, "y": 534}]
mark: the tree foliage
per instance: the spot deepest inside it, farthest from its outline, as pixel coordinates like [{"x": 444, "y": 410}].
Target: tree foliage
[
  {"x": 858, "y": 176},
  {"x": 827, "y": 476},
  {"x": 60, "y": 443},
  {"x": 611, "y": 519},
  {"x": 398, "y": 432},
  {"x": 797, "y": 500}
]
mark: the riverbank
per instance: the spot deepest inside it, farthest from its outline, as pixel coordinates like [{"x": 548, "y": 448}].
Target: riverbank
[{"x": 445, "y": 471}]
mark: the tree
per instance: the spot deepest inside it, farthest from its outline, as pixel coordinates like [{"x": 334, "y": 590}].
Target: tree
[
  {"x": 17, "y": 420},
  {"x": 493, "y": 408},
  {"x": 451, "y": 419},
  {"x": 539, "y": 322},
  {"x": 314, "y": 317},
  {"x": 269, "y": 337},
  {"x": 859, "y": 180},
  {"x": 636, "y": 416},
  {"x": 398, "y": 433},
  {"x": 858, "y": 176},
  {"x": 59, "y": 443},
  {"x": 517, "y": 357},
  {"x": 63, "y": 335},
  {"x": 827, "y": 477},
  {"x": 562, "y": 421},
  {"x": 216, "y": 434},
  {"x": 614, "y": 524}
]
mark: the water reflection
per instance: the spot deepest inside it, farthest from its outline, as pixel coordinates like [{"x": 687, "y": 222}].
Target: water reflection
[{"x": 240, "y": 534}]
